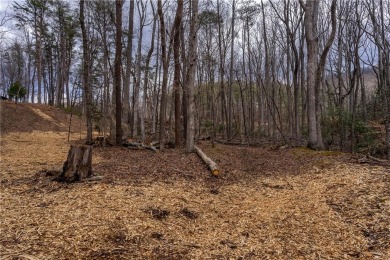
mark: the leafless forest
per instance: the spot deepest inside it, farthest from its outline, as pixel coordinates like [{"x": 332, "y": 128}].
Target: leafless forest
[
  {"x": 287, "y": 102},
  {"x": 312, "y": 73}
]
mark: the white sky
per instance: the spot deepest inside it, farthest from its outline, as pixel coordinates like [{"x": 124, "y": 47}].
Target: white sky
[{"x": 4, "y": 4}]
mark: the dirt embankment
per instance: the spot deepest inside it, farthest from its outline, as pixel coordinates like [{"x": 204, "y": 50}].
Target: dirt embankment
[{"x": 26, "y": 117}]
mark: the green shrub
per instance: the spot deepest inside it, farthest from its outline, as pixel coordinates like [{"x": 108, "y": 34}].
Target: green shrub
[
  {"x": 17, "y": 91},
  {"x": 338, "y": 123}
]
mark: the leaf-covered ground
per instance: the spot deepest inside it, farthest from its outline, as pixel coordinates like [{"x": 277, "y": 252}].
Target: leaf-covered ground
[{"x": 266, "y": 204}]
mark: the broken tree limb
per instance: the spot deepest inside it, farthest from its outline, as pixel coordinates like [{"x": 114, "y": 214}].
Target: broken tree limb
[
  {"x": 210, "y": 163},
  {"x": 94, "y": 178},
  {"x": 151, "y": 147},
  {"x": 377, "y": 159},
  {"x": 132, "y": 144},
  {"x": 139, "y": 146},
  {"x": 154, "y": 143}
]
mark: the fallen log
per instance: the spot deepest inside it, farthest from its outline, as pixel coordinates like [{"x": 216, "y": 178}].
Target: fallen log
[
  {"x": 210, "y": 163},
  {"x": 139, "y": 146},
  {"x": 377, "y": 159},
  {"x": 94, "y": 178},
  {"x": 132, "y": 144},
  {"x": 151, "y": 147}
]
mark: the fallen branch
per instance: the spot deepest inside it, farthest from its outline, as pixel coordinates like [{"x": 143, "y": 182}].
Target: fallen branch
[
  {"x": 377, "y": 159},
  {"x": 151, "y": 147},
  {"x": 93, "y": 178},
  {"x": 369, "y": 159},
  {"x": 210, "y": 163},
  {"x": 140, "y": 146}
]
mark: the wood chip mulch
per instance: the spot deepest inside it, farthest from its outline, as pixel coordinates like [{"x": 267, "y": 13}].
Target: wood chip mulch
[{"x": 266, "y": 204}]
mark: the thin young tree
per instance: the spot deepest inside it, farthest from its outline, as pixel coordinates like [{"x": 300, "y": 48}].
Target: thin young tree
[
  {"x": 141, "y": 8},
  {"x": 165, "y": 65},
  {"x": 147, "y": 73},
  {"x": 129, "y": 59},
  {"x": 230, "y": 98}
]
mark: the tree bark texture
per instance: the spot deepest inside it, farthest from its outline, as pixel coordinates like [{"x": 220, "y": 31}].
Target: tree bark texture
[
  {"x": 78, "y": 165},
  {"x": 86, "y": 74},
  {"x": 129, "y": 49},
  {"x": 192, "y": 53},
  {"x": 177, "y": 69},
  {"x": 118, "y": 52},
  {"x": 165, "y": 65}
]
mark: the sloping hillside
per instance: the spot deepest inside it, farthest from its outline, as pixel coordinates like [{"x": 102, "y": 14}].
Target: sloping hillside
[{"x": 26, "y": 117}]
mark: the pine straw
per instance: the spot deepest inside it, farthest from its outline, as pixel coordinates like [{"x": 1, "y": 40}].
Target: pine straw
[{"x": 290, "y": 204}]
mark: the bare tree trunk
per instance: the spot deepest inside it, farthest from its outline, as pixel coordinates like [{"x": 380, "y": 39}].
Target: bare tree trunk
[
  {"x": 230, "y": 102},
  {"x": 302, "y": 79},
  {"x": 315, "y": 69},
  {"x": 146, "y": 76},
  {"x": 184, "y": 77},
  {"x": 222, "y": 56},
  {"x": 106, "y": 89},
  {"x": 118, "y": 59},
  {"x": 192, "y": 53},
  {"x": 129, "y": 58},
  {"x": 311, "y": 19},
  {"x": 156, "y": 90},
  {"x": 39, "y": 54},
  {"x": 320, "y": 72},
  {"x": 86, "y": 74},
  {"x": 267, "y": 68},
  {"x": 141, "y": 7},
  {"x": 176, "y": 78},
  {"x": 165, "y": 64}
]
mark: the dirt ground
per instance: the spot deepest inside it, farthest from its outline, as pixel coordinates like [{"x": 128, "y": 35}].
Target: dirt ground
[{"x": 267, "y": 203}]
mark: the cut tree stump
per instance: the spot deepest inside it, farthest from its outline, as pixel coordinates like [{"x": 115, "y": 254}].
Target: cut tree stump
[
  {"x": 210, "y": 163},
  {"x": 78, "y": 165}
]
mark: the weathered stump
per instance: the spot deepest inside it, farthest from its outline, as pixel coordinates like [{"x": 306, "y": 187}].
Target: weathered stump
[{"x": 78, "y": 165}]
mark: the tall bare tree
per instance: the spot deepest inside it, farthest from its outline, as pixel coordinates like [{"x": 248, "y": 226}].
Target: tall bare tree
[
  {"x": 141, "y": 8},
  {"x": 165, "y": 65},
  {"x": 315, "y": 67},
  {"x": 190, "y": 82},
  {"x": 147, "y": 73},
  {"x": 176, "y": 78},
  {"x": 129, "y": 58},
  {"x": 86, "y": 73},
  {"x": 118, "y": 78}
]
